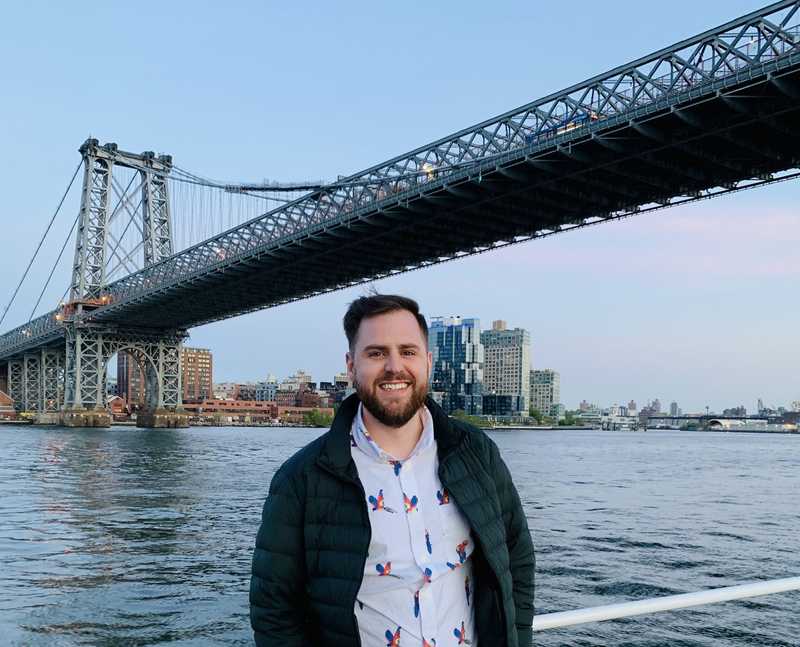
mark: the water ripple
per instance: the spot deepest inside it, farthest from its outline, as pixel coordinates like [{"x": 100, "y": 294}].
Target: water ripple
[{"x": 134, "y": 537}]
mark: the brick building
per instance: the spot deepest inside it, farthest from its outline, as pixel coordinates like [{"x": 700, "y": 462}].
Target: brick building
[
  {"x": 130, "y": 381},
  {"x": 196, "y": 374}
]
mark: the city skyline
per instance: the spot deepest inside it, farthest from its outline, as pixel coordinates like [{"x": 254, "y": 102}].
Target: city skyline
[
  {"x": 694, "y": 302},
  {"x": 270, "y": 378}
]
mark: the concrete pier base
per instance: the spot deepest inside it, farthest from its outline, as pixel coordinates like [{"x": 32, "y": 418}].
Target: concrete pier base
[
  {"x": 162, "y": 419},
  {"x": 49, "y": 418},
  {"x": 86, "y": 418}
]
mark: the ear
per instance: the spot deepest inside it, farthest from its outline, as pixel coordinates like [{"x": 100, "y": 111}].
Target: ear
[
  {"x": 430, "y": 364},
  {"x": 348, "y": 361}
]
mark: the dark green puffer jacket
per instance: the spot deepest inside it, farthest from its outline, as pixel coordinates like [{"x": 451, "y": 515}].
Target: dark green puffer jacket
[{"x": 315, "y": 533}]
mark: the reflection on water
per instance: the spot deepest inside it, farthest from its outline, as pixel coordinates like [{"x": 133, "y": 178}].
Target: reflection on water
[{"x": 141, "y": 537}]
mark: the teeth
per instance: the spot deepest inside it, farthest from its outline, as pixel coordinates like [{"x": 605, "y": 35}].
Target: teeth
[{"x": 394, "y": 387}]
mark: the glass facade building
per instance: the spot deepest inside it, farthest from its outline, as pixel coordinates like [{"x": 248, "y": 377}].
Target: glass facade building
[{"x": 457, "y": 372}]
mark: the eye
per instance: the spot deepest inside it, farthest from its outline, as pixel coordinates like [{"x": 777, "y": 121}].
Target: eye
[
  {"x": 409, "y": 353},
  {"x": 374, "y": 353}
]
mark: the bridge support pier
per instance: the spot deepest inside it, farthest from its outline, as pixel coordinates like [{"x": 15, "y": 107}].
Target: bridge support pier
[
  {"x": 32, "y": 382},
  {"x": 16, "y": 383},
  {"x": 52, "y": 382},
  {"x": 157, "y": 353},
  {"x": 48, "y": 418},
  {"x": 84, "y": 418},
  {"x": 163, "y": 419}
]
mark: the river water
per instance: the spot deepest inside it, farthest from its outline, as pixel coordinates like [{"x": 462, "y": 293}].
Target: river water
[{"x": 134, "y": 537}]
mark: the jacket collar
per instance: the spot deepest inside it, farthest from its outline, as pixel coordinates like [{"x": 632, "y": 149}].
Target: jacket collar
[{"x": 335, "y": 451}]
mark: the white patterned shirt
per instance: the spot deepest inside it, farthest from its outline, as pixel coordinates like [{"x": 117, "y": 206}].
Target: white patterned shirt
[{"x": 417, "y": 587}]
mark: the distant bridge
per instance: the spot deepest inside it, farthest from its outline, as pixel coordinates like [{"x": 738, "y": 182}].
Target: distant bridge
[{"x": 716, "y": 113}]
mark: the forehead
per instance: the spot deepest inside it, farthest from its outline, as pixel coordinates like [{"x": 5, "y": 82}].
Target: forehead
[{"x": 394, "y": 328}]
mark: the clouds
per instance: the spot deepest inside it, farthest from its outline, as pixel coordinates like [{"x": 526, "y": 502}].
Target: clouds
[{"x": 719, "y": 240}]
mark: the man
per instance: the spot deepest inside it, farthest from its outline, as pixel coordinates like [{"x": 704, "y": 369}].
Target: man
[{"x": 399, "y": 526}]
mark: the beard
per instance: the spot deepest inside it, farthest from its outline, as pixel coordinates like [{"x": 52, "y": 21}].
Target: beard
[{"x": 398, "y": 415}]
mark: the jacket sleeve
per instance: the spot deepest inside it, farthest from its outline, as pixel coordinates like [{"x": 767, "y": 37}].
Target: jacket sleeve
[
  {"x": 277, "y": 586},
  {"x": 520, "y": 548}
]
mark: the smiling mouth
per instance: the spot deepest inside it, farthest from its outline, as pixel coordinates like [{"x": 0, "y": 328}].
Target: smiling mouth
[{"x": 394, "y": 387}]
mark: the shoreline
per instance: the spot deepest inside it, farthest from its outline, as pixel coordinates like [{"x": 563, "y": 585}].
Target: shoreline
[{"x": 132, "y": 423}]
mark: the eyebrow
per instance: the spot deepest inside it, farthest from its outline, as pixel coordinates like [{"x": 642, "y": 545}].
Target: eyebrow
[{"x": 380, "y": 347}]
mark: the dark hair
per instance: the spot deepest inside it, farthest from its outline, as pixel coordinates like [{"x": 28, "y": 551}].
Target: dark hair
[{"x": 378, "y": 304}]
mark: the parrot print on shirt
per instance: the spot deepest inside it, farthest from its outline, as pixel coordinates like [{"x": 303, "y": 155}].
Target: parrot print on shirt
[
  {"x": 393, "y": 638},
  {"x": 461, "y": 549},
  {"x": 385, "y": 570},
  {"x": 401, "y": 550},
  {"x": 378, "y": 503},
  {"x": 461, "y": 635}
]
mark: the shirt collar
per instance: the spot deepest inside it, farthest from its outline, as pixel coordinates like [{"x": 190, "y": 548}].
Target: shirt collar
[{"x": 361, "y": 438}]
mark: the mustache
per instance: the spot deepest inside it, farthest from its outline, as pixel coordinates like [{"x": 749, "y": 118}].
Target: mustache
[{"x": 389, "y": 377}]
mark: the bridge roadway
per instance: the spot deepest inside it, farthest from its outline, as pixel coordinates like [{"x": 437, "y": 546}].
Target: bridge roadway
[{"x": 684, "y": 123}]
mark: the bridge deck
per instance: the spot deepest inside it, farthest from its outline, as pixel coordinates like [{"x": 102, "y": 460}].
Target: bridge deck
[{"x": 718, "y": 138}]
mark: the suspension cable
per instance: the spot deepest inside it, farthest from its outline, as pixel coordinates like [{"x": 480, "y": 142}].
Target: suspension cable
[
  {"x": 55, "y": 265},
  {"x": 41, "y": 242}
]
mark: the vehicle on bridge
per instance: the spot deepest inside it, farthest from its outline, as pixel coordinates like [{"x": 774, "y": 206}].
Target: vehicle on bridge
[{"x": 566, "y": 125}]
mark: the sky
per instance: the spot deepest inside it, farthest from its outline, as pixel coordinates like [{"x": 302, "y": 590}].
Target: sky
[{"x": 696, "y": 304}]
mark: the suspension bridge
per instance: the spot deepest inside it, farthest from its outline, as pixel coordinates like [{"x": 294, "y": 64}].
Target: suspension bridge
[{"x": 713, "y": 114}]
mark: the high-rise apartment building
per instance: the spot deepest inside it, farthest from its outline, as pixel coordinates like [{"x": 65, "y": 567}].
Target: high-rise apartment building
[
  {"x": 457, "y": 372},
  {"x": 545, "y": 391},
  {"x": 196, "y": 374},
  {"x": 130, "y": 381},
  {"x": 506, "y": 368}
]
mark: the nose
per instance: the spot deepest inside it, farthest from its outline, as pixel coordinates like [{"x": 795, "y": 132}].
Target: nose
[{"x": 393, "y": 362}]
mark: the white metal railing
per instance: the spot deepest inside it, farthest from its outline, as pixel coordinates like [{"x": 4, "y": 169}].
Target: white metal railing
[{"x": 666, "y": 603}]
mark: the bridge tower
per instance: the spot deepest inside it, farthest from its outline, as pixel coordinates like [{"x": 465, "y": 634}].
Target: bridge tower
[{"x": 68, "y": 385}]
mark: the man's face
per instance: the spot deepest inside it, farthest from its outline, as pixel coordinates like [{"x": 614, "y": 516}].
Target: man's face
[{"x": 389, "y": 365}]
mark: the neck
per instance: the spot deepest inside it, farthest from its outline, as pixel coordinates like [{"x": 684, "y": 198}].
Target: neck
[{"x": 397, "y": 441}]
